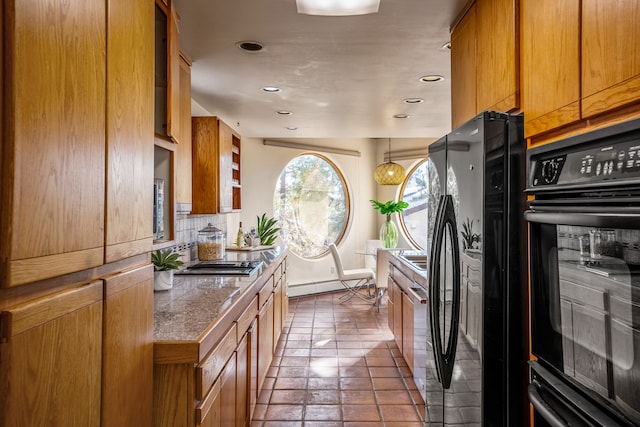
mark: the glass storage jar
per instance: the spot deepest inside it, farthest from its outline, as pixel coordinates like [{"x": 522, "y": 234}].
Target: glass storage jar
[{"x": 210, "y": 243}]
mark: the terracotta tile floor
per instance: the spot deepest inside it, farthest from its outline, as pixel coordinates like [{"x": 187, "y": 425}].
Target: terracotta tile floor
[{"x": 337, "y": 365}]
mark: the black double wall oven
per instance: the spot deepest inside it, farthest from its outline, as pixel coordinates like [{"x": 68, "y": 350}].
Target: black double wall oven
[{"x": 584, "y": 225}]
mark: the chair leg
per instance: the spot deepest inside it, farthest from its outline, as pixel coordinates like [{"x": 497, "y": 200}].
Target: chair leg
[{"x": 353, "y": 291}]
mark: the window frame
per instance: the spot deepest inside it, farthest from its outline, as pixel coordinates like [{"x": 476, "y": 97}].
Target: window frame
[{"x": 347, "y": 192}]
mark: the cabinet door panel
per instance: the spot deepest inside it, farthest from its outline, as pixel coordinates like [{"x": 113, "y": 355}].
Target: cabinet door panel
[
  {"x": 610, "y": 54},
  {"x": 51, "y": 357},
  {"x": 127, "y": 389},
  {"x": 54, "y": 144},
  {"x": 226, "y": 161},
  {"x": 183, "y": 149},
  {"x": 407, "y": 330},
  {"x": 463, "y": 69},
  {"x": 550, "y": 64},
  {"x": 265, "y": 340},
  {"x": 497, "y": 55},
  {"x": 129, "y": 128}
]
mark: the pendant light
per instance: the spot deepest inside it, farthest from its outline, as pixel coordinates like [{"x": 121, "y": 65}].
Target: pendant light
[{"x": 389, "y": 173}]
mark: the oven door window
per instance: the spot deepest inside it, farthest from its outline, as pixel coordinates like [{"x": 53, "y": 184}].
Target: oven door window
[{"x": 586, "y": 308}]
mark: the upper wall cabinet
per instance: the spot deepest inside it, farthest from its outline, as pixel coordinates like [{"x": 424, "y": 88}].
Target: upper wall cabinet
[
  {"x": 130, "y": 35},
  {"x": 550, "y": 64},
  {"x": 485, "y": 60},
  {"x": 216, "y": 167},
  {"x": 183, "y": 149},
  {"x": 167, "y": 73},
  {"x": 580, "y": 59},
  {"x": 610, "y": 55},
  {"x": 53, "y": 141}
]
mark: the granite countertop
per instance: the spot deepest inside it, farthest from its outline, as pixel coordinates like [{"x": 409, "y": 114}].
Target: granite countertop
[{"x": 196, "y": 303}]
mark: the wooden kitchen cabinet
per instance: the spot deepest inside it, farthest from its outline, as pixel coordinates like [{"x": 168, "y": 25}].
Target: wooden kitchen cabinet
[
  {"x": 580, "y": 61},
  {"x": 127, "y": 369},
  {"x": 243, "y": 377},
  {"x": 463, "y": 69},
  {"x": 395, "y": 295},
  {"x": 216, "y": 167},
  {"x": 497, "y": 52},
  {"x": 485, "y": 60},
  {"x": 129, "y": 216},
  {"x": 167, "y": 72},
  {"x": 53, "y": 145},
  {"x": 610, "y": 55},
  {"x": 184, "y": 181},
  {"x": 51, "y": 349},
  {"x": 550, "y": 64},
  {"x": 407, "y": 329},
  {"x": 265, "y": 339}
]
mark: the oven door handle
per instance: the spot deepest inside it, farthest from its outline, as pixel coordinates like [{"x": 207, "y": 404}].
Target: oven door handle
[
  {"x": 544, "y": 409},
  {"x": 587, "y": 219}
]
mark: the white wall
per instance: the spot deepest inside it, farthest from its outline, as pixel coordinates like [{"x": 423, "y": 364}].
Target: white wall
[{"x": 261, "y": 166}]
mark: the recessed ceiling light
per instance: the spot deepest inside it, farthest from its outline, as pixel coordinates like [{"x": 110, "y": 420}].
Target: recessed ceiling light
[
  {"x": 250, "y": 46},
  {"x": 413, "y": 100},
  {"x": 446, "y": 46},
  {"x": 337, "y": 8},
  {"x": 291, "y": 128},
  {"x": 271, "y": 89},
  {"x": 401, "y": 116},
  {"x": 284, "y": 112},
  {"x": 432, "y": 78}
]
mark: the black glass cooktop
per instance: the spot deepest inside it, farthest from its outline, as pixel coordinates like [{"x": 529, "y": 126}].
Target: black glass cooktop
[{"x": 223, "y": 268}]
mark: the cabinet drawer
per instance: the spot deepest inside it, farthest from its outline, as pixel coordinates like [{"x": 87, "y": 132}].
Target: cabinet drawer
[
  {"x": 245, "y": 319},
  {"x": 210, "y": 368},
  {"x": 265, "y": 292},
  {"x": 277, "y": 274}
]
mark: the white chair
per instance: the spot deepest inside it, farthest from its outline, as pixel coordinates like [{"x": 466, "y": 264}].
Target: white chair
[
  {"x": 354, "y": 280},
  {"x": 371, "y": 260}
]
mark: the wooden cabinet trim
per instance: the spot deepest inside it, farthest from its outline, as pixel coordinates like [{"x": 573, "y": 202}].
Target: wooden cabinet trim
[
  {"x": 123, "y": 250},
  {"x": 619, "y": 95},
  {"x": 203, "y": 410},
  {"x": 42, "y": 310},
  {"x": 246, "y": 318},
  {"x": 127, "y": 279},
  {"x": 552, "y": 120},
  {"x": 24, "y": 271}
]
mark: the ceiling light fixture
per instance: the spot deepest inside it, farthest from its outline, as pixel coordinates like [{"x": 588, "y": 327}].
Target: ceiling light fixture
[
  {"x": 389, "y": 173},
  {"x": 432, "y": 78},
  {"x": 413, "y": 101},
  {"x": 250, "y": 46},
  {"x": 271, "y": 89},
  {"x": 401, "y": 116},
  {"x": 284, "y": 112},
  {"x": 337, "y": 7}
]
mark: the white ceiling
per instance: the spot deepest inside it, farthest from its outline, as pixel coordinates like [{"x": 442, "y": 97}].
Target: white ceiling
[{"x": 340, "y": 76}]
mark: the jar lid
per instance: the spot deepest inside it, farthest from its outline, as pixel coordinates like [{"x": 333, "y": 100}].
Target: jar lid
[{"x": 210, "y": 229}]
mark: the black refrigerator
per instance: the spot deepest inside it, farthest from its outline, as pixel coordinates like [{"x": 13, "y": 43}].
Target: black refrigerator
[{"x": 476, "y": 316}]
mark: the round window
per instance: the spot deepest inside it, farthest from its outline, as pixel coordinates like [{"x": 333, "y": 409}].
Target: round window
[{"x": 311, "y": 203}]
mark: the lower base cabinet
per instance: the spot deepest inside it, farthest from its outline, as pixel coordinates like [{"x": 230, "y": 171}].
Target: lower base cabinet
[{"x": 221, "y": 389}]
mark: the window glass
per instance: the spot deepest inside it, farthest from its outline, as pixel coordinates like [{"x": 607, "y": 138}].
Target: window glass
[
  {"x": 311, "y": 204},
  {"x": 415, "y": 191}
]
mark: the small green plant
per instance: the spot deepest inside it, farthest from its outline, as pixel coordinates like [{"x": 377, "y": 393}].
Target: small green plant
[
  {"x": 468, "y": 236},
  {"x": 166, "y": 260},
  {"x": 267, "y": 230},
  {"x": 389, "y": 207}
]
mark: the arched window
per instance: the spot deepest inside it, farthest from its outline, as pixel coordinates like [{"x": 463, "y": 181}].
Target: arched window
[
  {"x": 415, "y": 191},
  {"x": 311, "y": 204}
]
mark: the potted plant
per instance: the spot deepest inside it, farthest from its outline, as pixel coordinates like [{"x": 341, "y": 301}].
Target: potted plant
[
  {"x": 389, "y": 231},
  {"x": 267, "y": 230},
  {"x": 164, "y": 264},
  {"x": 469, "y": 238}
]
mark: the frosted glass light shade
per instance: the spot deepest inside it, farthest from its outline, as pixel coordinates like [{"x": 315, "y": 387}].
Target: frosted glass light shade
[
  {"x": 389, "y": 173},
  {"x": 337, "y": 7}
]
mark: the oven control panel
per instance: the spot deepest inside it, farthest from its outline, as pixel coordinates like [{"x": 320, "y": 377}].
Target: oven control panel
[{"x": 587, "y": 163}]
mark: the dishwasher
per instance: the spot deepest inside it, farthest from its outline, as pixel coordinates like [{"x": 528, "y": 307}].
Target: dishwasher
[{"x": 422, "y": 348}]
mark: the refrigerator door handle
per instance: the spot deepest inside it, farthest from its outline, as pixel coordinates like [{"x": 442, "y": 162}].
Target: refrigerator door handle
[{"x": 445, "y": 358}]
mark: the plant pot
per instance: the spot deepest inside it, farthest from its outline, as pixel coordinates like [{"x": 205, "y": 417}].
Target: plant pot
[
  {"x": 162, "y": 280},
  {"x": 389, "y": 233}
]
